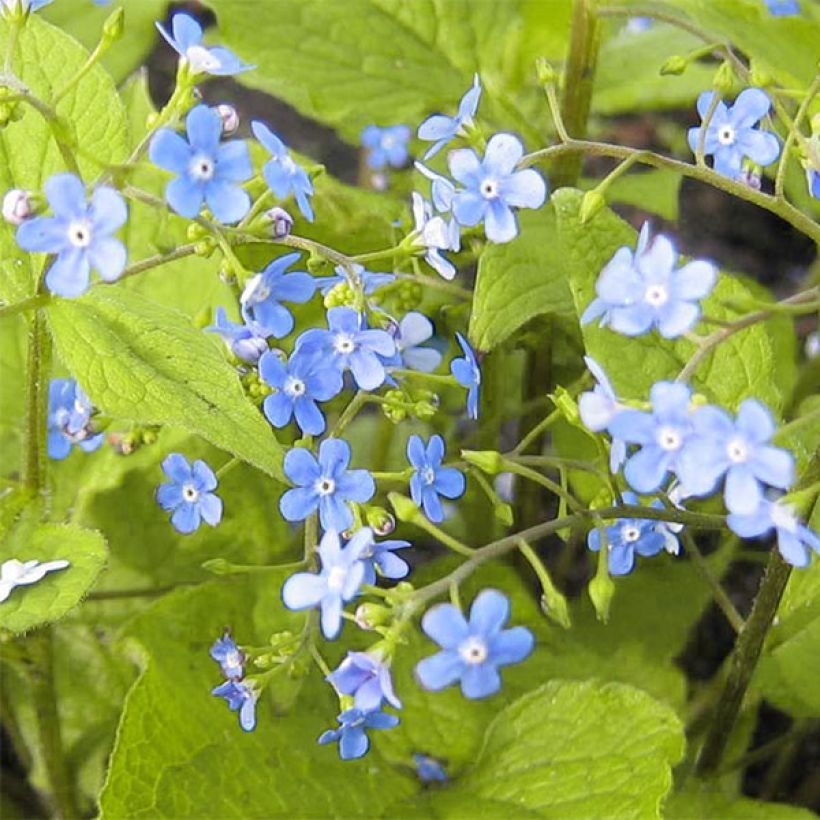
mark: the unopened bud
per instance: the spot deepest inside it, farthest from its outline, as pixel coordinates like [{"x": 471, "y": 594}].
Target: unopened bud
[
  {"x": 724, "y": 79},
  {"x": 281, "y": 222},
  {"x": 369, "y": 616},
  {"x": 554, "y": 606},
  {"x": 488, "y": 461},
  {"x": 405, "y": 509},
  {"x": 424, "y": 410},
  {"x": 759, "y": 77},
  {"x": 545, "y": 71},
  {"x": 674, "y": 65},
  {"x": 591, "y": 204},
  {"x": 382, "y": 522},
  {"x": 230, "y": 118},
  {"x": 114, "y": 25},
  {"x": 601, "y": 589},
  {"x": 17, "y": 206}
]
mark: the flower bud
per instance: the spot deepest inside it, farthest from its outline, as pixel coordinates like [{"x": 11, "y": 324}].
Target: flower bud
[
  {"x": 724, "y": 79},
  {"x": 230, "y": 118},
  {"x": 382, "y": 522},
  {"x": 675, "y": 65},
  {"x": 424, "y": 410},
  {"x": 369, "y": 616},
  {"x": 114, "y": 25},
  {"x": 281, "y": 222},
  {"x": 601, "y": 589},
  {"x": 545, "y": 71},
  {"x": 554, "y": 606},
  {"x": 406, "y": 510},
  {"x": 591, "y": 204},
  {"x": 759, "y": 77},
  {"x": 17, "y": 206},
  {"x": 488, "y": 461}
]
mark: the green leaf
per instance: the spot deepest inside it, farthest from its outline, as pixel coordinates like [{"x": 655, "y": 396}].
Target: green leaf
[
  {"x": 656, "y": 191},
  {"x": 44, "y": 59},
  {"x": 699, "y": 802},
  {"x": 12, "y": 395},
  {"x": 59, "y": 591},
  {"x": 145, "y": 363}
]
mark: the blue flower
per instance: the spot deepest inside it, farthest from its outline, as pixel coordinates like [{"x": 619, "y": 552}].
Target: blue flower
[
  {"x": 351, "y": 735},
  {"x": 298, "y": 385},
  {"x": 386, "y": 146},
  {"x": 468, "y": 375},
  {"x": 283, "y": 175},
  {"x": 435, "y": 234},
  {"x": 737, "y": 449},
  {"x": 638, "y": 25},
  {"x": 379, "y": 554},
  {"x": 371, "y": 281},
  {"x": 189, "y": 494},
  {"x": 472, "y": 651},
  {"x": 69, "y": 419},
  {"x": 410, "y": 334},
  {"x": 342, "y": 573},
  {"x": 598, "y": 407},
  {"x": 186, "y": 40},
  {"x": 367, "y": 679},
  {"x": 794, "y": 539},
  {"x": 241, "y": 697},
  {"x": 813, "y": 181},
  {"x": 350, "y": 346},
  {"x": 492, "y": 187},
  {"x": 631, "y": 535},
  {"x": 635, "y": 294},
  {"x": 207, "y": 172},
  {"x": 431, "y": 479},
  {"x": 662, "y": 435},
  {"x": 441, "y": 129},
  {"x": 324, "y": 484},
  {"x": 247, "y": 341},
  {"x": 428, "y": 769},
  {"x": 731, "y": 134},
  {"x": 79, "y": 233},
  {"x": 783, "y": 8},
  {"x": 442, "y": 190},
  {"x": 264, "y": 292},
  {"x": 229, "y": 656}
]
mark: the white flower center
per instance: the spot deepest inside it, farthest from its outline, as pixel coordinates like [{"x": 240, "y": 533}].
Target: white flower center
[
  {"x": 336, "y": 579},
  {"x": 190, "y": 493},
  {"x": 784, "y": 518},
  {"x": 630, "y": 533},
  {"x": 388, "y": 142},
  {"x": 233, "y": 658},
  {"x": 201, "y": 60},
  {"x": 669, "y": 438},
  {"x": 79, "y": 234},
  {"x": 473, "y": 651},
  {"x": 294, "y": 387},
  {"x": 656, "y": 295},
  {"x": 325, "y": 486},
  {"x": 428, "y": 475},
  {"x": 737, "y": 450},
  {"x": 726, "y": 135},
  {"x": 344, "y": 344},
  {"x": 489, "y": 188},
  {"x": 202, "y": 168}
]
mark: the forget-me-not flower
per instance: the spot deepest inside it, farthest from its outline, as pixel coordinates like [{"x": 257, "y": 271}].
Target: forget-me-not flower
[
  {"x": 247, "y": 341},
  {"x": 283, "y": 175},
  {"x": 468, "y": 374},
  {"x": 80, "y": 234},
  {"x": 352, "y": 735},
  {"x": 325, "y": 484},
  {"x": 442, "y": 189},
  {"x": 435, "y": 234},
  {"x": 661, "y": 434},
  {"x": 410, "y": 334},
  {"x": 731, "y": 134},
  {"x": 492, "y": 187},
  {"x": 637, "y": 293},
  {"x": 229, "y": 656},
  {"x": 186, "y": 39},
  {"x": 264, "y": 292},
  {"x": 298, "y": 384},
  {"x": 366, "y": 678},
  {"x": 381, "y": 555},
  {"x": 472, "y": 650},
  {"x": 428, "y": 769},
  {"x": 597, "y": 408},
  {"x": 69, "y": 420},
  {"x": 241, "y": 697},
  {"x": 430, "y": 479},
  {"x": 207, "y": 172},
  {"x": 737, "y": 449},
  {"x": 189, "y": 494},
  {"x": 14, "y": 573},
  {"x": 370, "y": 281},
  {"x": 350, "y": 346},
  {"x": 794, "y": 539},
  {"x": 441, "y": 129},
  {"x": 342, "y": 573},
  {"x": 632, "y": 535},
  {"x": 386, "y": 146}
]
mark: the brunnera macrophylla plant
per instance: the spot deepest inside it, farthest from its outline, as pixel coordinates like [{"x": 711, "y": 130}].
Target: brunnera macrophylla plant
[{"x": 334, "y": 454}]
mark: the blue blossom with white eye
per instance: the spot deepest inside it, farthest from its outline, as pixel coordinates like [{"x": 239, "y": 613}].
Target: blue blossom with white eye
[
  {"x": 467, "y": 374},
  {"x": 352, "y": 732},
  {"x": 661, "y": 434},
  {"x": 428, "y": 769},
  {"x": 348, "y": 345},
  {"x": 386, "y": 146},
  {"x": 283, "y": 175},
  {"x": 492, "y": 187},
  {"x": 472, "y": 651},
  {"x": 189, "y": 494},
  {"x": 597, "y": 408},
  {"x": 229, "y": 656},
  {"x": 441, "y": 129},
  {"x": 80, "y": 234},
  {"x": 247, "y": 341},
  {"x": 264, "y": 292},
  {"x": 207, "y": 172},
  {"x": 430, "y": 480},
  {"x": 633, "y": 535},
  {"x": 298, "y": 384},
  {"x": 783, "y": 8},
  {"x": 637, "y": 293},
  {"x": 442, "y": 190},
  {"x": 69, "y": 420},
  {"x": 326, "y": 484},
  {"x": 370, "y": 281},
  {"x": 379, "y": 554},
  {"x": 241, "y": 696},
  {"x": 337, "y": 582},
  {"x": 794, "y": 539},
  {"x": 365, "y": 677},
  {"x": 14, "y": 573},
  {"x": 731, "y": 134},
  {"x": 737, "y": 449},
  {"x": 185, "y": 38},
  {"x": 410, "y": 334},
  {"x": 435, "y": 234}
]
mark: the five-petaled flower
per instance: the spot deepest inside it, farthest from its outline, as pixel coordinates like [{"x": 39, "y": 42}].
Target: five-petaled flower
[
  {"x": 366, "y": 678},
  {"x": 247, "y": 341},
  {"x": 69, "y": 419},
  {"x": 342, "y": 573},
  {"x": 352, "y": 735},
  {"x": 189, "y": 494},
  {"x": 467, "y": 374},
  {"x": 14, "y": 573},
  {"x": 410, "y": 334},
  {"x": 430, "y": 479},
  {"x": 492, "y": 187},
  {"x": 597, "y": 408},
  {"x": 637, "y": 293},
  {"x": 229, "y": 656},
  {"x": 472, "y": 650},
  {"x": 241, "y": 696},
  {"x": 435, "y": 234},
  {"x": 386, "y": 146},
  {"x": 186, "y": 39},
  {"x": 441, "y": 129},
  {"x": 380, "y": 555},
  {"x": 324, "y": 483},
  {"x": 79, "y": 233},
  {"x": 731, "y": 135}
]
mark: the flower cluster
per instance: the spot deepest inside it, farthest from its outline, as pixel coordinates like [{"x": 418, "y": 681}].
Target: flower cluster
[{"x": 239, "y": 692}]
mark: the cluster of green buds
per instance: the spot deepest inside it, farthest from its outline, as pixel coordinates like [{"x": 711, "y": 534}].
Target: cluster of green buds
[{"x": 399, "y": 405}]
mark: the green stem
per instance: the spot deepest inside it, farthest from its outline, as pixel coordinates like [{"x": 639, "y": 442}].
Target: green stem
[
  {"x": 442, "y": 537},
  {"x": 31, "y": 303},
  {"x": 37, "y": 373},
  {"x": 780, "y": 179},
  {"x": 542, "y": 480},
  {"x": 700, "y": 151},
  {"x": 350, "y": 412},
  {"x": 537, "y": 431}
]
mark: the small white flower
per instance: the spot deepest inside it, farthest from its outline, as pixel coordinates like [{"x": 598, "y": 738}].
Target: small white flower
[{"x": 14, "y": 573}]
